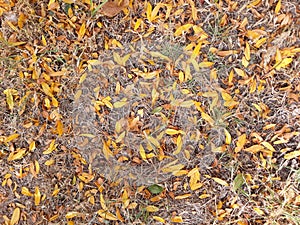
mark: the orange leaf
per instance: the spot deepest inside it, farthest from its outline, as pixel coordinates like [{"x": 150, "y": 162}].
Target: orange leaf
[
  {"x": 59, "y": 127},
  {"x": 227, "y": 53},
  {"x": 240, "y": 143},
  {"x": 81, "y": 31},
  {"x": 177, "y": 219}
]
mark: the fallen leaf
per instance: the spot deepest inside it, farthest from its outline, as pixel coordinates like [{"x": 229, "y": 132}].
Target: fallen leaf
[
  {"x": 15, "y": 216},
  {"x": 113, "y": 7}
]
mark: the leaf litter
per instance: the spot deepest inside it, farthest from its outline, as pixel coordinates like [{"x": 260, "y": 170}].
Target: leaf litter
[{"x": 125, "y": 112}]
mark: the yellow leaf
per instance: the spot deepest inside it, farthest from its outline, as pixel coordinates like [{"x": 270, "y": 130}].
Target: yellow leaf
[
  {"x": 83, "y": 77},
  {"x": 194, "y": 13},
  {"x": 153, "y": 141},
  {"x": 183, "y": 196},
  {"x": 252, "y": 86},
  {"x": 203, "y": 196},
  {"x": 46, "y": 89},
  {"x": 240, "y": 72},
  {"x": 179, "y": 145},
  {"x": 119, "y": 104},
  {"x": 81, "y": 31},
  {"x": 284, "y": 63},
  {"x": 59, "y": 127},
  {"x": 158, "y": 219},
  {"x": 152, "y": 208},
  {"x": 187, "y": 104},
  {"x": 26, "y": 192},
  {"x": 58, "y": 73},
  {"x": 213, "y": 74},
  {"x": 9, "y": 99},
  {"x": 228, "y": 137},
  {"x": 159, "y": 55},
  {"x": 149, "y": 11},
  {"x": 292, "y": 155},
  {"x": 258, "y": 211},
  {"x": 260, "y": 42},
  {"x": 207, "y": 118},
  {"x": 240, "y": 143},
  {"x": 107, "y": 103},
  {"x": 117, "y": 58},
  {"x": 137, "y": 24},
  {"x": 172, "y": 168},
  {"x": 18, "y": 154},
  {"x": 177, "y": 219},
  {"x": 44, "y": 42},
  {"x": 102, "y": 202},
  {"x": 49, "y": 162},
  {"x": 71, "y": 215},
  {"x": 278, "y": 57},
  {"x": 11, "y": 137},
  {"x": 247, "y": 51},
  {"x": 226, "y": 96},
  {"x": 37, "y": 196},
  {"x": 194, "y": 178},
  {"x": 15, "y": 216},
  {"x": 257, "y": 107},
  {"x": 182, "y": 29},
  {"x": 220, "y": 181},
  {"x": 253, "y": 3},
  {"x": 268, "y": 146},
  {"x": 21, "y": 20},
  {"x": 142, "y": 152},
  {"x": 106, "y": 215},
  {"x": 206, "y": 64},
  {"x": 173, "y": 131},
  {"x": 254, "y": 149},
  {"x": 196, "y": 50},
  {"x": 156, "y": 9},
  {"x": 278, "y": 7},
  {"x": 106, "y": 151},
  {"x": 51, "y": 148}
]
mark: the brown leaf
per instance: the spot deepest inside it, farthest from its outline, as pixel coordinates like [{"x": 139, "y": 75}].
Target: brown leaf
[{"x": 113, "y": 7}]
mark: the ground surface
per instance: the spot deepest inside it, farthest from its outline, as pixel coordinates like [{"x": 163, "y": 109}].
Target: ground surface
[{"x": 149, "y": 112}]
